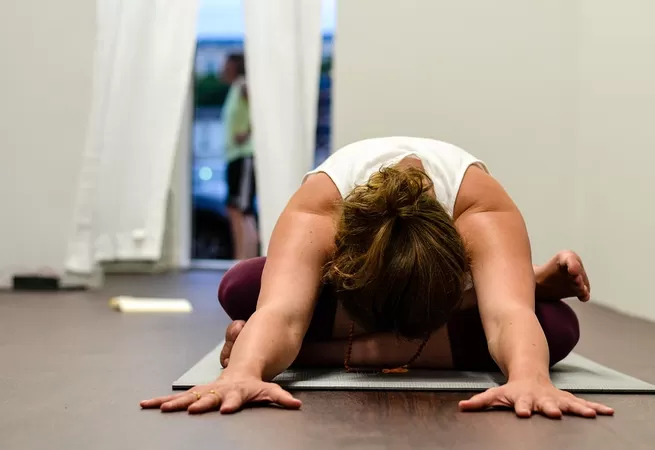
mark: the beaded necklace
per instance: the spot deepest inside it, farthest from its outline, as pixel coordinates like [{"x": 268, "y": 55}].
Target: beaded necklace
[{"x": 402, "y": 369}]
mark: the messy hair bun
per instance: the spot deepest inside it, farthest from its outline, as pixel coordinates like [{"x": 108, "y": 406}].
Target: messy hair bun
[
  {"x": 399, "y": 263},
  {"x": 390, "y": 192}
]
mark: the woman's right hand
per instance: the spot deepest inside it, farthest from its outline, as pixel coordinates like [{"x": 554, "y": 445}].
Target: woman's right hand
[{"x": 227, "y": 394}]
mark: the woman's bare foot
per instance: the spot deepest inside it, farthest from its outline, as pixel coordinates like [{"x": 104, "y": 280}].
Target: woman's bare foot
[
  {"x": 563, "y": 276},
  {"x": 231, "y": 335}
]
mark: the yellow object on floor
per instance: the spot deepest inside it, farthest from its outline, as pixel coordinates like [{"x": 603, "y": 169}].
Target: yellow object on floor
[{"x": 141, "y": 304}]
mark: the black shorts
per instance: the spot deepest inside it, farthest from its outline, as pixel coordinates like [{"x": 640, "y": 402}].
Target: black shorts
[{"x": 241, "y": 184}]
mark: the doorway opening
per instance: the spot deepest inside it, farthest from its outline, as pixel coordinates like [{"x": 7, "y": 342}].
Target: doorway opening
[{"x": 220, "y": 38}]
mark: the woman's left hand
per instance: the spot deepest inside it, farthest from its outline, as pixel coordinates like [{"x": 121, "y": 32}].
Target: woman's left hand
[{"x": 528, "y": 396}]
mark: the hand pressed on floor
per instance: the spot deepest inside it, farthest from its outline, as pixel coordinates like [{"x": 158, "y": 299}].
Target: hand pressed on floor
[
  {"x": 225, "y": 394},
  {"x": 527, "y": 397}
]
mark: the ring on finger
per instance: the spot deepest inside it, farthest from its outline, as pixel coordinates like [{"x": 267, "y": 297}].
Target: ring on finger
[
  {"x": 213, "y": 392},
  {"x": 196, "y": 394}
]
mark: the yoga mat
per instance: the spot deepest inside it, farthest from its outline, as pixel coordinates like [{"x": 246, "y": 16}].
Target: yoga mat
[{"x": 574, "y": 374}]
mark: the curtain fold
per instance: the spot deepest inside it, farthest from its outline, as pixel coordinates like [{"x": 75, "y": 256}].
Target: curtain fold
[
  {"x": 143, "y": 61},
  {"x": 283, "y": 49}
]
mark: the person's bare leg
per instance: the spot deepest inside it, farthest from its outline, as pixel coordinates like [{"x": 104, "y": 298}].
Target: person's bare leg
[
  {"x": 236, "y": 218},
  {"x": 250, "y": 237},
  {"x": 562, "y": 277}
]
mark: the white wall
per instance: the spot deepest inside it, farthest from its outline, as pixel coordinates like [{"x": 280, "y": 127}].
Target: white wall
[
  {"x": 558, "y": 97},
  {"x": 616, "y": 119},
  {"x": 491, "y": 77},
  {"x": 46, "y": 55}
]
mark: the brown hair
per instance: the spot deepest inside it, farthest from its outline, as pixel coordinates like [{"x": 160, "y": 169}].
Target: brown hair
[
  {"x": 399, "y": 264},
  {"x": 239, "y": 61}
]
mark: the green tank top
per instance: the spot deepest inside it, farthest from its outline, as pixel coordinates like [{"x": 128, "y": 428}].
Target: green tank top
[{"x": 236, "y": 115}]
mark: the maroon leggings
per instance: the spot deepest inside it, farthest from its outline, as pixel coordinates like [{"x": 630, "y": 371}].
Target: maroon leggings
[{"x": 239, "y": 290}]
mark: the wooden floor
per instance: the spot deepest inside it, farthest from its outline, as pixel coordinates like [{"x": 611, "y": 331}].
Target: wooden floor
[{"x": 72, "y": 373}]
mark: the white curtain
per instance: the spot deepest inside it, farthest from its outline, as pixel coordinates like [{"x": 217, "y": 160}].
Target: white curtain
[
  {"x": 143, "y": 61},
  {"x": 283, "y": 54}
]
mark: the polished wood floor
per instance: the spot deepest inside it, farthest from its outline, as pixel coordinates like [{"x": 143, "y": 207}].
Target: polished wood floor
[{"x": 72, "y": 373}]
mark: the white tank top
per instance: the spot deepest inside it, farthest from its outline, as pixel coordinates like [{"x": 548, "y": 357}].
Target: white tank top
[{"x": 444, "y": 163}]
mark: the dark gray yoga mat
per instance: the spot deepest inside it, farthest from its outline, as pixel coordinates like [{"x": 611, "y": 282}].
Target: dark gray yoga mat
[{"x": 574, "y": 374}]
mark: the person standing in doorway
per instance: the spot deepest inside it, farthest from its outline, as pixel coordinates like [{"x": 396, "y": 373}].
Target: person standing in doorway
[{"x": 239, "y": 157}]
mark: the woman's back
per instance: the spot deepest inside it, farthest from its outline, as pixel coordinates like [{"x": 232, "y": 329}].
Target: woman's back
[{"x": 444, "y": 163}]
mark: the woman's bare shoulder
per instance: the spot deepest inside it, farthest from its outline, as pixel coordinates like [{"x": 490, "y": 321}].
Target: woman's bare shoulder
[
  {"x": 318, "y": 194},
  {"x": 480, "y": 191}
]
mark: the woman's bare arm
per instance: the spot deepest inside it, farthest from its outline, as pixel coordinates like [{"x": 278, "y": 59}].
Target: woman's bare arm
[
  {"x": 299, "y": 247},
  {"x": 497, "y": 238}
]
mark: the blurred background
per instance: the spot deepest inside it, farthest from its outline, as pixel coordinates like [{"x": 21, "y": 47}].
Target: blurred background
[{"x": 221, "y": 34}]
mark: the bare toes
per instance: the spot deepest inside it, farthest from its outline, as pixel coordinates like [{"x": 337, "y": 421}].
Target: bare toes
[
  {"x": 571, "y": 262},
  {"x": 225, "y": 354},
  {"x": 233, "y": 330},
  {"x": 587, "y": 296},
  {"x": 231, "y": 335}
]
